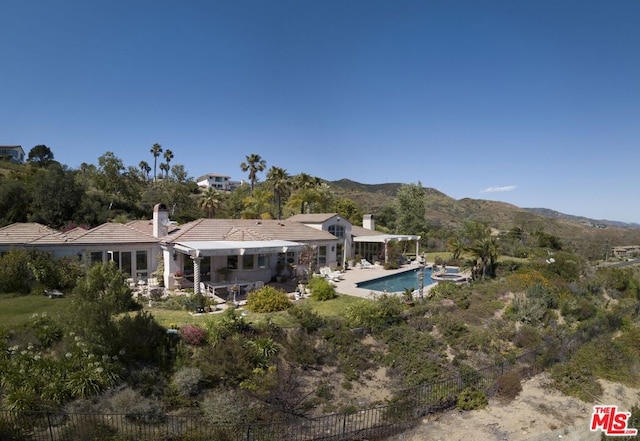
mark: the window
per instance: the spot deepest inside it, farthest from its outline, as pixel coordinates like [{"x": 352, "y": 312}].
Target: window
[
  {"x": 141, "y": 264},
  {"x": 337, "y": 231},
  {"x": 322, "y": 255},
  {"x": 263, "y": 260},
  {"x": 96, "y": 257},
  {"x": 247, "y": 261},
  {"x": 232, "y": 262}
]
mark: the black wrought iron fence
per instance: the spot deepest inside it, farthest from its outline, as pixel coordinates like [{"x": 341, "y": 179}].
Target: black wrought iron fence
[{"x": 369, "y": 423}]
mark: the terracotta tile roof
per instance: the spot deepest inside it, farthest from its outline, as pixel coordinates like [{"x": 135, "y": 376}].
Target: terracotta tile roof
[
  {"x": 146, "y": 226},
  {"x": 312, "y": 218},
  {"x": 25, "y": 233},
  {"x": 246, "y": 229},
  {"x": 114, "y": 233}
]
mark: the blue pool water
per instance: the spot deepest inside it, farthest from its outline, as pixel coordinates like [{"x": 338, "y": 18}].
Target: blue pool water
[{"x": 400, "y": 281}]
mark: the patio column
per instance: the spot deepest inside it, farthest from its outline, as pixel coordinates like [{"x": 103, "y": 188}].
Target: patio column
[
  {"x": 386, "y": 251},
  {"x": 196, "y": 274}
]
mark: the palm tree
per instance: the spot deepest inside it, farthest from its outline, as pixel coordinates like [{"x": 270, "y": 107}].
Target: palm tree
[
  {"x": 258, "y": 205},
  {"x": 165, "y": 168},
  {"x": 307, "y": 190},
  {"x": 254, "y": 164},
  {"x": 281, "y": 183},
  {"x": 156, "y": 149},
  {"x": 168, "y": 156},
  {"x": 485, "y": 257},
  {"x": 456, "y": 246},
  {"x": 210, "y": 201},
  {"x": 146, "y": 168}
]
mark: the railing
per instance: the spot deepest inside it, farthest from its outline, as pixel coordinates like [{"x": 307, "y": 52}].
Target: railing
[{"x": 370, "y": 423}]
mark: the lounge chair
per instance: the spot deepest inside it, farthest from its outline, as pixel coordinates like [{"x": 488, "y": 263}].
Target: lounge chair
[
  {"x": 366, "y": 264},
  {"x": 328, "y": 274}
]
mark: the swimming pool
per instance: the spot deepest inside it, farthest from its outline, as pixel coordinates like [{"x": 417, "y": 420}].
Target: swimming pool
[{"x": 400, "y": 281}]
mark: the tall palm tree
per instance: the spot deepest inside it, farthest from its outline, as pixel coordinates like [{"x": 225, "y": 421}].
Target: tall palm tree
[
  {"x": 210, "y": 201},
  {"x": 145, "y": 167},
  {"x": 281, "y": 183},
  {"x": 168, "y": 156},
  {"x": 156, "y": 149},
  {"x": 258, "y": 205},
  {"x": 254, "y": 164}
]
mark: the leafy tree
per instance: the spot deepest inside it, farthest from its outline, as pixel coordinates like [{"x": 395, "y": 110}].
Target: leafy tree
[
  {"x": 156, "y": 149},
  {"x": 410, "y": 209},
  {"x": 110, "y": 177},
  {"x": 254, "y": 164},
  {"x": 485, "y": 257},
  {"x": 281, "y": 183},
  {"x": 349, "y": 210},
  {"x": 57, "y": 196},
  {"x": 95, "y": 300},
  {"x": 15, "y": 199},
  {"x": 40, "y": 155}
]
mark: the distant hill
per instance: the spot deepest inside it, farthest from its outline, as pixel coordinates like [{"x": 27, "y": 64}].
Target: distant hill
[{"x": 445, "y": 211}]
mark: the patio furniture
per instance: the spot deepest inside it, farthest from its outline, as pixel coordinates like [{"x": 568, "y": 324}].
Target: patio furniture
[{"x": 364, "y": 263}]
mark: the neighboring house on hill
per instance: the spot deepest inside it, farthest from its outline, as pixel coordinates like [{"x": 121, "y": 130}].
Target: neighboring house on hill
[
  {"x": 205, "y": 249},
  {"x": 218, "y": 182},
  {"x": 14, "y": 153},
  {"x": 628, "y": 251}
]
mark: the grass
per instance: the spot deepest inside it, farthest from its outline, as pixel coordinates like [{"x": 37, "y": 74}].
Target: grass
[
  {"x": 329, "y": 308},
  {"x": 16, "y": 310}
]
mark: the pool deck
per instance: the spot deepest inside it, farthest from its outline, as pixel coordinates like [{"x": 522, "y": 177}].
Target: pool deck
[{"x": 355, "y": 275}]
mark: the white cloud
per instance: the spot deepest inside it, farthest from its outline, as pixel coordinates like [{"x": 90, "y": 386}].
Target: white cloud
[{"x": 498, "y": 189}]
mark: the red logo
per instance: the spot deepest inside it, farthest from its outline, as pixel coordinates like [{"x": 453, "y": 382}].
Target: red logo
[{"x": 610, "y": 421}]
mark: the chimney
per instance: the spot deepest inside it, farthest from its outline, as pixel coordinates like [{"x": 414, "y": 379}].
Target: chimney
[
  {"x": 160, "y": 220},
  {"x": 368, "y": 222}
]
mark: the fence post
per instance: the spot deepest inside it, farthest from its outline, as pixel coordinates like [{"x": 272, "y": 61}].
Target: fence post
[
  {"x": 344, "y": 424},
  {"x": 49, "y": 425}
]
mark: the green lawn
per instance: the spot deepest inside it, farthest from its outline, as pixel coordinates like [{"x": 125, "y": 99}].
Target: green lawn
[
  {"x": 335, "y": 307},
  {"x": 15, "y": 310}
]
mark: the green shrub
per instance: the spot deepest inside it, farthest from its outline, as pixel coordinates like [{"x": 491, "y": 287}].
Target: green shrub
[
  {"x": 471, "y": 399},
  {"x": 187, "y": 381},
  {"x": 308, "y": 319},
  {"x": 268, "y": 299},
  {"x": 321, "y": 289},
  {"x": 376, "y": 315}
]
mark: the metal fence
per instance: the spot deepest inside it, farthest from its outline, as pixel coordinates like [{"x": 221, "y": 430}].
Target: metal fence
[{"x": 367, "y": 424}]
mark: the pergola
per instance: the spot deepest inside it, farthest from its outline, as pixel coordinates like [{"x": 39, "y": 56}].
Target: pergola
[
  {"x": 386, "y": 238},
  {"x": 198, "y": 249}
]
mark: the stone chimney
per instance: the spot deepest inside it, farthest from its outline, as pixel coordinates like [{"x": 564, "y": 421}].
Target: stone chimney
[
  {"x": 368, "y": 222},
  {"x": 160, "y": 220}
]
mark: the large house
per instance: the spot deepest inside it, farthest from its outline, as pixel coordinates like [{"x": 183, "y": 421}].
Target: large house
[
  {"x": 203, "y": 250},
  {"x": 209, "y": 250},
  {"x": 13, "y": 153}
]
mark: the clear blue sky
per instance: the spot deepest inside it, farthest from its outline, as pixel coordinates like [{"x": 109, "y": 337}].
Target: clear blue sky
[{"x": 535, "y": 103}]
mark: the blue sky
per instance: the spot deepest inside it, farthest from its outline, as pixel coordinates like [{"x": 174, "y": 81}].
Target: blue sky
[{"x": 534, "y": 103}]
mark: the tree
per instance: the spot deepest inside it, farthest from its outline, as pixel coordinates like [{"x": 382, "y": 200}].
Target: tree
[
  {"x": 97, "y": 297},
  {"x": 257, "y": 205},
  {"x": 280, "y": 181},
  {"x": 110, "y": 178},
  {"x": 306, "y": 191},
  {"x": 485, "y": 257},
  {"x": 410, "y": 209},
  {"x": 146, "y": 168},
  {"x": 210, "y": 201},
  {"x": 41, "y": 155},
  {"x": 15, "y": 200},
  {"x": 156, "y": 149},
  {"x": 254, "y": 164},
  {"x": 168, "y": 156},
  {"x": 165, "y": 168},
  {"x": 56, "y": 196}
]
